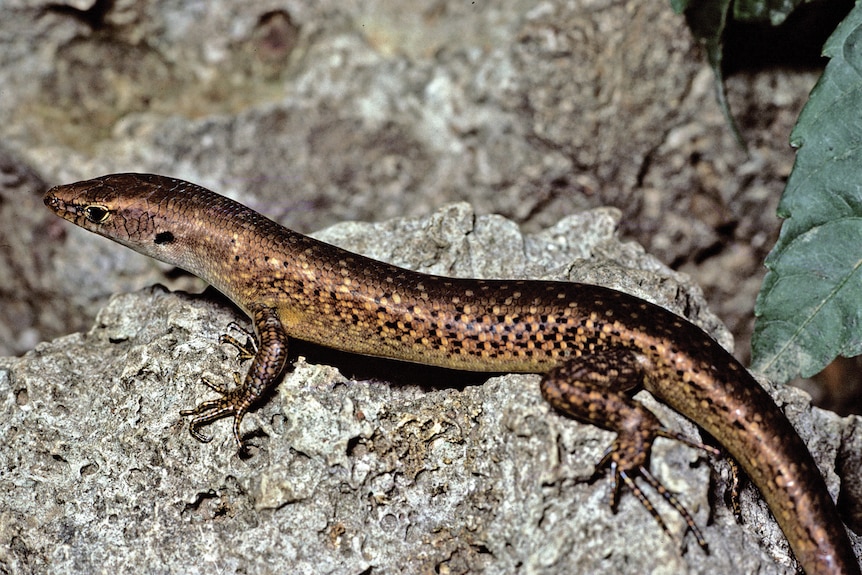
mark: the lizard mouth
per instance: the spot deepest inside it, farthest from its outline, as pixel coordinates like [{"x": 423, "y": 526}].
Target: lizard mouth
[
  {"x": 62, "y": 201},
  {"x": 54, "y": 203},
  {"x": 64, "y": 207}
]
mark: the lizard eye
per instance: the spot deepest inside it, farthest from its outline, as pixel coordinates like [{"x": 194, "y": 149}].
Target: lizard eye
[{"x": 96, "y": 214}]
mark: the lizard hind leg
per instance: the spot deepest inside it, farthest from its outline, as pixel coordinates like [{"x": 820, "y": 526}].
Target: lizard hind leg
[{"x": 596, "y": 389}]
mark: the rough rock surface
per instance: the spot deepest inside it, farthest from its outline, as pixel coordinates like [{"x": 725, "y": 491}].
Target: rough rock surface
[
  {"x": 356, "y": 465},
  {"x": 320, "y": 112}
]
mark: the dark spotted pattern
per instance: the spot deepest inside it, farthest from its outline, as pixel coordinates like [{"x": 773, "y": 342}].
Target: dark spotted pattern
[{"x": 595, "y": 345}]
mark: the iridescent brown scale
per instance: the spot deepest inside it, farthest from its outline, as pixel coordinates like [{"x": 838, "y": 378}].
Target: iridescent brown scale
[{"x": 594, "y": 345}]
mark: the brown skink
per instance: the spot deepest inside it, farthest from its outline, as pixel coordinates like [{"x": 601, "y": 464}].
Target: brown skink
[{"x": 594, "y": 345}]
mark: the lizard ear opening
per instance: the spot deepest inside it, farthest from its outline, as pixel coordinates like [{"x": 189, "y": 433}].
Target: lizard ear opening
[{"x": 164, "y": 238}]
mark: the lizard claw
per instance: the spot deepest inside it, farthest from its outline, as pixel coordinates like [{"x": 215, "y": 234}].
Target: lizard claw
[
  {"x": 231, "y": 403},
  {"x": 245, "y": 349},
  {"x": 624, "y": 467}
]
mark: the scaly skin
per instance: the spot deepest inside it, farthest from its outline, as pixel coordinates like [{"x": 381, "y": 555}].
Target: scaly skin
[{"x": 594, "y": 345}]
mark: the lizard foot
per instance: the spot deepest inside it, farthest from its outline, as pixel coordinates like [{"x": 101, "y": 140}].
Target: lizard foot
[{"x": 233, "y": 402}]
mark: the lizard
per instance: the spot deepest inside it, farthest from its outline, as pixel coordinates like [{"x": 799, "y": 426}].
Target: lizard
[{"x": 594, "y": 346}]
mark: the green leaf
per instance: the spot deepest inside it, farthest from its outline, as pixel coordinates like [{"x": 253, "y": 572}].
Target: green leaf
[
  {"x": 809, "y": 309},
  {"x": 707, "y": 19}
]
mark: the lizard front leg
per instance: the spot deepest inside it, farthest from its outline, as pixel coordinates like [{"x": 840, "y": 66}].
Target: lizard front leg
[{"x": 266, "y": 366}]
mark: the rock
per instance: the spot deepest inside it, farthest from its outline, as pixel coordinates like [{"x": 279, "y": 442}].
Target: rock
[{"x": 355, "y": 464}]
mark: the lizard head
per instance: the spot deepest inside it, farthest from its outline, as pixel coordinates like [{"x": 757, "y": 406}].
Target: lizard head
[{"x": 154, "y": 215}]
